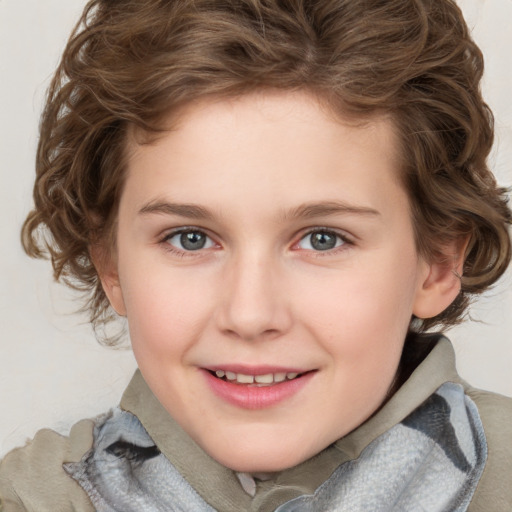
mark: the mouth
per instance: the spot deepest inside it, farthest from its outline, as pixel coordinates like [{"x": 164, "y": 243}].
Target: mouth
[
  {"x": 256, "y": 388},
  {"x": 260, "y": 380}
]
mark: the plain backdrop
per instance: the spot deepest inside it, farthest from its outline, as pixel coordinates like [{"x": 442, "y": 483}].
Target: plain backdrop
[{"x": 53, "y": 372}]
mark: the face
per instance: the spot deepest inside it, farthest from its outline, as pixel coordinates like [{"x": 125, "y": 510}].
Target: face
[{"x": 267, "y": 267}]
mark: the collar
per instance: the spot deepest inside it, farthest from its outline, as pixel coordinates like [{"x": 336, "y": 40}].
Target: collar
[{"x": 221, "y": 487}]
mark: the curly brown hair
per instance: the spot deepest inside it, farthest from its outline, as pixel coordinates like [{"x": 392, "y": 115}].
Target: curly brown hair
[{"x": 129, "y": 62}]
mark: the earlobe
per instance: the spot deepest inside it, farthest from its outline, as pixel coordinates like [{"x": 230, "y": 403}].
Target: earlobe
[
  {"x": 113, "y": 291},
  {"x": 106, "y": 266},
  {"x": 441, "y": 282}
]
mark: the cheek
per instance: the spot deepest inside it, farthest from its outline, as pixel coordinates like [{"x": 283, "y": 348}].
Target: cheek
[
  {"x": 363, "y": 314},
  {"x": 356, "y": 303},
  {"x": 165, "y": 312}
]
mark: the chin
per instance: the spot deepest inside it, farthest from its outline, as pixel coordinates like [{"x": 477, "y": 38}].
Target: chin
[{"x": 259, "y": 461}]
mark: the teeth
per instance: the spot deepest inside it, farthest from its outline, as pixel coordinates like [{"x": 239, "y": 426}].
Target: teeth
[
  {"x": 264, "y": 379},
  {"x": 244, "y": 379},
  {"x": 267, "y": 379}
]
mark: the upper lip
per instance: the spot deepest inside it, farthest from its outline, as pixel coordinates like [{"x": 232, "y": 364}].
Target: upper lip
[{"x": 255, "y": 370}]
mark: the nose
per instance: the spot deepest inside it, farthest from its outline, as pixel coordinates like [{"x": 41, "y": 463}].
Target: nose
[{"x": 254, "y": 303}]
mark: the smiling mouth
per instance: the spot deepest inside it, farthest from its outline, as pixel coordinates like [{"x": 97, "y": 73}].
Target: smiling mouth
[{"x": 268, "y": 379}]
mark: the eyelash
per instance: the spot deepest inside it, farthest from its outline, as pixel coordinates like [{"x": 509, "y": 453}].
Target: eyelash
[
  {"x": 343, "y": 242},
  {"x": 183, "y": 253}
]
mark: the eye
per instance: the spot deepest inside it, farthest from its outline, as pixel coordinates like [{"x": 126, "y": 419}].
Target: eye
[
  {"x": 321, "y": 240},
  {"x": 189, "y": 240}
]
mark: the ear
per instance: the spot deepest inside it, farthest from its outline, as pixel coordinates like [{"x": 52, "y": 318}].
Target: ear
[
  {"x": 441, "y": 282},
  {"x": 105, "y": 262}
]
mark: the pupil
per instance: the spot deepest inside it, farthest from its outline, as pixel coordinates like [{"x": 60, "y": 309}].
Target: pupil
[
  {"x": 192, "y": 241},
  {"x": 323, "y": 241}
]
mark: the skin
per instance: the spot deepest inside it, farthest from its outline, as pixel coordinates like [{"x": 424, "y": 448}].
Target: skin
[{"x": 261, "y": 172}]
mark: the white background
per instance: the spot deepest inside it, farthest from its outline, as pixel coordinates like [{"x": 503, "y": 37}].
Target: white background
[{"x": 52, "y": 370}]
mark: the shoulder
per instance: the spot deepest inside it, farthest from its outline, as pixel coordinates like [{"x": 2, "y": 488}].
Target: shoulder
[
  {"x": 32, "y": 477},
  {"x": 494, "y": 492}
]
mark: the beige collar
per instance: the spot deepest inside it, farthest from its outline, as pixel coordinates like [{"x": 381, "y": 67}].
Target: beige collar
[{"x": 222, "y": 487}]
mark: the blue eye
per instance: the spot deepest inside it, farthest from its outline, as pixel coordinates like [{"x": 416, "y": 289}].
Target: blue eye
[
  {"x": 189, "y": 240},
  {"x": 321, "y": 240}
]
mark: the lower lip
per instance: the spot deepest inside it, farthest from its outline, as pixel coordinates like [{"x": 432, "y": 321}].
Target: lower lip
[{"x": 254, "y": 397}]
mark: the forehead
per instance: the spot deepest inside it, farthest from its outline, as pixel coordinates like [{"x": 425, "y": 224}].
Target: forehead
[{"x": 288, "y": 145}]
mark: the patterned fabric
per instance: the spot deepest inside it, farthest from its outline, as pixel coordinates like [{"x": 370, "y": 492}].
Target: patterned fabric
[
  {"x": 432, "y": 461},
  {"x": 125, "y": 472}
]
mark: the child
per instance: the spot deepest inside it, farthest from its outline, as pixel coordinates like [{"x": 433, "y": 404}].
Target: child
[{"x": 283, "y": 198}]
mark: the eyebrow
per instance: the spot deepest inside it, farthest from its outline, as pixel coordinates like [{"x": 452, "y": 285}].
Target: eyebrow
[
  {"x": 190, "y": 211},
  {"x": 304, "y": 211},
  {"x": 327, "y": 208}
]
